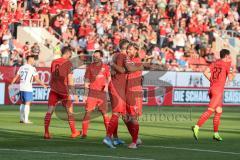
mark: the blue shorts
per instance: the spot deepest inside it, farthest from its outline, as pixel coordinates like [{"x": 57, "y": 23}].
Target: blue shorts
[{"x": 26, "y": 96}]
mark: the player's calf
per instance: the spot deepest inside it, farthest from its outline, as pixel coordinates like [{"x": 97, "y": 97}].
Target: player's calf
[{"x": 216, "y": 123}]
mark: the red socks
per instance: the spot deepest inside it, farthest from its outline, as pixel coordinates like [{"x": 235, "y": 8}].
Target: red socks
[
  {"x": 216, "y": 121},
  {"x": 115, "y": 133},
  {"x": 204, "y": 117},
  {"x": 71, "y": 122},
  {"x": 85, "y": 125},
  {"x": 129, "y": 127},
  {"x": 112, "y": 125},
  {"x": 135, "y": 131},
  {"x": 106, "y": 121},
  {"x": 47, "y": 121}
]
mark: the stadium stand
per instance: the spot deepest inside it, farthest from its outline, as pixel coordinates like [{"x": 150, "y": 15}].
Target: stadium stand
[{"x": 182, "y": 35}]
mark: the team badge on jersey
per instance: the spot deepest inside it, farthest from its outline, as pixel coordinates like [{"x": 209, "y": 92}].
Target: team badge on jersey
[{"x": 13, "y": 93}]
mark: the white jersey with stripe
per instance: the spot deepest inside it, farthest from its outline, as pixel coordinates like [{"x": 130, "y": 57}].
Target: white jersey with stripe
[{"x": 26, "y": 73}]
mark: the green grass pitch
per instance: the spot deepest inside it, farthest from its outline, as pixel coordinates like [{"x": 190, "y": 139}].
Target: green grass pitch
[{"x": 165, "y": 132}]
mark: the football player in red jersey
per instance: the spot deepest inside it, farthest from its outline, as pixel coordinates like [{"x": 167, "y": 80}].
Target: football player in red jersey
[
  {"x": 217, "y": 74},
  {"x": 127, "y": 68},
  {"x": 62, "y": 90},
  {"x": 117, "y": 92},
  {"x": 134, "y": 95},
  {"x": 97, "y": 78}
]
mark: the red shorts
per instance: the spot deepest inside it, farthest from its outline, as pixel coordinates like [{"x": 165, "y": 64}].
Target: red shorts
[
  {"x": 54, "y": 98},
  {"x": 134, "y": 103},
  {"x": 96, "y": 99},
  {"x": 215, "y": 98},
  {"x": 118, "y": 98}
]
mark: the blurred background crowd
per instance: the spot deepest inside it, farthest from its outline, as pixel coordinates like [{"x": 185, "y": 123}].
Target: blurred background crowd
[{"x": 175, "y": 34}]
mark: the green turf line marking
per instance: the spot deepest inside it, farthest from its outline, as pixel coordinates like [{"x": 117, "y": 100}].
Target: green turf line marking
[{"x": 71, "y": 154}]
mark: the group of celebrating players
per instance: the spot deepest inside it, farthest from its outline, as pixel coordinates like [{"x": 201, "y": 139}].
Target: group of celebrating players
[
  {"x": 122, "y": 79},
  {"x": 124, "y": 83}
]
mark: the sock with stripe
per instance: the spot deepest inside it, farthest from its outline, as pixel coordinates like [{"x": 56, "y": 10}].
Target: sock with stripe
[
  {"x": 47, "y": 121},
  {"x": 216, "y": 121},
  {"x": 106, "y": 121},
  {"x": 204, "y": 117},
  {"x": 85, "y": 125},
  {"x": 112, "y": 125},
  {"x": 115, "y": 133},
  {"x": 135, "y": 130},
  {"x": 130, "y": 127},
  {"x": 71, "y": 122}
]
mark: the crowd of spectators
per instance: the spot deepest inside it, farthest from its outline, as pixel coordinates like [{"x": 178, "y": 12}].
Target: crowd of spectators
[{"x": 176, "y": 34}]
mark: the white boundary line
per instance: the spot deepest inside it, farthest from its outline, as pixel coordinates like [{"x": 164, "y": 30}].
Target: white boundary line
[
  {"x": 192, "y": 149},
  {"x": 145, "y": 146},
  {"x": 71, "y": 154}
]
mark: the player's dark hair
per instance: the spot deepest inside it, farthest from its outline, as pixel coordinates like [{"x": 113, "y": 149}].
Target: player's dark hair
[
  {"x": 133, "y": 45},
  {"x": 122, "y": 43},
  {"x": 30, "y": 56},
  {"x": 99, "y": 51},
  {"x": 224, "y": 53},
  {"x": 66, "y": 50}
]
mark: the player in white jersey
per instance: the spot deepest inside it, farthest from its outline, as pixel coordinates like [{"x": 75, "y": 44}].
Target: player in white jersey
[{"x": 27, "y": 73}]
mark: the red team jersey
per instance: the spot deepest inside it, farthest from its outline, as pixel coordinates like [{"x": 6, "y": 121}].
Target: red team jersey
[
  {"x": 134, "y": 89},
  {"x": 60, "y": 69},
  {"x": 98, "y": 76},
  {"x": 118, "y": 85},
  {"x": 120, "y": 77},
  {"x": 219, "y": 72}
]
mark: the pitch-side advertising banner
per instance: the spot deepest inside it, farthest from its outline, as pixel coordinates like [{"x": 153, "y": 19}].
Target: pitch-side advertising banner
[
  {"x": 159, "y": 88},
  {"x": 2, "y": 91}
]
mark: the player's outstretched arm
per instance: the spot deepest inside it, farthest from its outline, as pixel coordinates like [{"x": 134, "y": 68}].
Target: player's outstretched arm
[
  {"x": 39, "y": 81},
  {"x": 133, "y": 68},
  {"x": 207, "y": 73},
  {"x": 118, "y": 68}
]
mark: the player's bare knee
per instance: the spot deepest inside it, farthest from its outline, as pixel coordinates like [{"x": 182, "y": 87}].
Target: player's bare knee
[
  {"x": 28, "y": 103},
  {"x": 211, "y": 109},
  {"x": 219, "y": 110},
  {"x": 117, "y": 114},
  {"x": 50, "y": 109}
]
